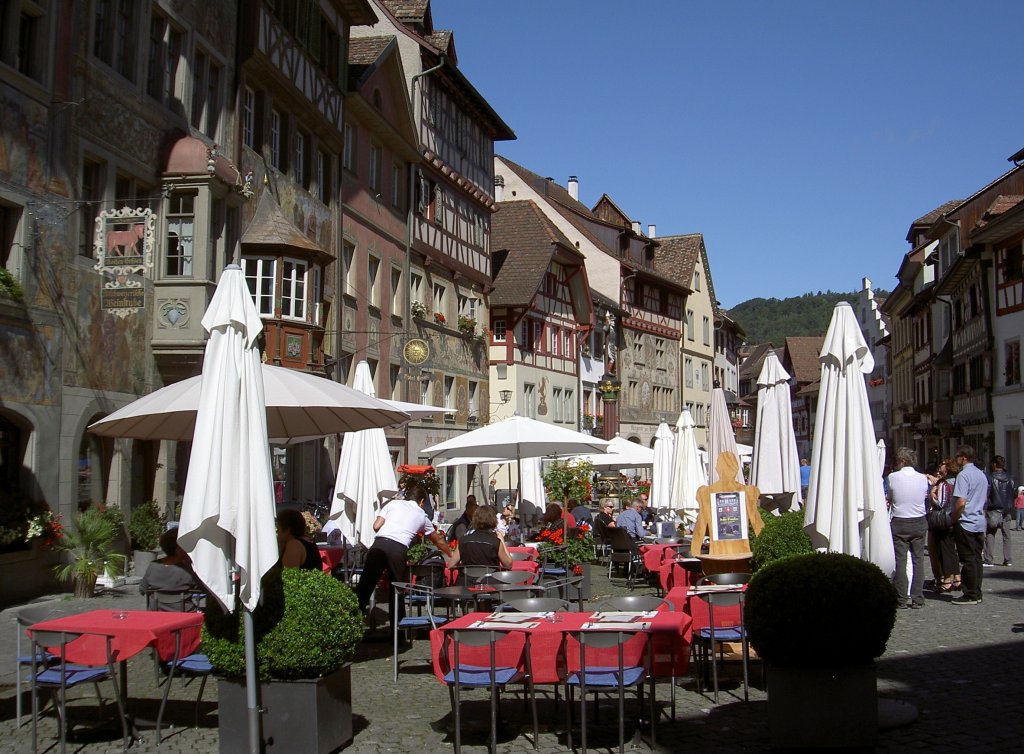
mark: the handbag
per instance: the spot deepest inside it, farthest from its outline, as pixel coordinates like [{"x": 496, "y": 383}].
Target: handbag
[
  {"x": 994, "y": 519},
  {"x": 939, "y": 519}
]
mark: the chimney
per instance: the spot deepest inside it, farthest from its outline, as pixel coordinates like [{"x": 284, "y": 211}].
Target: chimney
[
  {"x": 636, "y": 227},
  {"x": 499, "y": 188},
  {"x": 652, "y": 230},
  {"x": 574, "y": 187}
]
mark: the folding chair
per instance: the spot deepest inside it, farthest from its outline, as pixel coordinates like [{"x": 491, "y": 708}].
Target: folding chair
[
  {"x": 534, "y": 605},
  {"x": 496, "y": 678},
  {"x": 63, "y": 676},
  {"x": 626, "y": 551},
  {"x": 421, "y": 597},
  {"x": 195, "y": 665},
  {"x": 24, "y": 618}
]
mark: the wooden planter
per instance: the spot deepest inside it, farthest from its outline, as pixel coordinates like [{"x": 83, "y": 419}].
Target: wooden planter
[
  {"x": 313, "y": 715},
  {"x": 821, "y": 708}
]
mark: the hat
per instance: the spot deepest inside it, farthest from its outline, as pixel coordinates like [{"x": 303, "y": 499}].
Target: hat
[{"x": 1021, "y": 488}]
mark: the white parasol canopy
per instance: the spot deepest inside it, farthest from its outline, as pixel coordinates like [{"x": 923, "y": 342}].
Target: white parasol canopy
[
  {"x": 721, "y": 438},
  {"x": 533, "y": 501},
  {"x": 515, "y": 438},
  {"x": 661, "y": 481},
  {"x": 622, "y": 454},
  {"x": 365, "y": 474},
  {"x": 300, "y": 406},
  {"x": 775, "y": 469},
  {"x": 689, "y": 471},
  {"x": 845, "y": 509}
]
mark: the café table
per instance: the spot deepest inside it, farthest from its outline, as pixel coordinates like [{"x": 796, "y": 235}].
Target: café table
[
  {"x": 670, "y": 632},
  {"x": 679, "y": 572},
  {"x": 682, "y": 599},
  {"x": 173, "y": 635}
]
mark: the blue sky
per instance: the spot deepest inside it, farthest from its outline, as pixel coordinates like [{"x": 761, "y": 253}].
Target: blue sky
[{"x": 801, "y": 138}]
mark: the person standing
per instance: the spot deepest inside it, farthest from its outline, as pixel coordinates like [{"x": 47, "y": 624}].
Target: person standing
[
  {"x": 805, "y": 478},
  {"x": 908, "y": 492},
  {"x": 969, "y": 493},
  {"x": 999, "y": 511},
  {"x": 1018, "y": 505},
  {"x": 941, "y": 548},
  {"x": 397, "y": 524}
]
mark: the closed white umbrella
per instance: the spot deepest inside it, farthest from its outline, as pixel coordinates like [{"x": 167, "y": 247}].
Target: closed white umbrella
[
  {"x": 533, "y": 501},
  {"x": 775, "y": 468},
  {"x": 299, "y": 406},
  {"x": 661, "y": 476},
  {"x": 227, "y": 513},
  {"x": 622, "y": 454},
  {"x": 689, "y": 469},
  {"x": 845, "y": 509},
  {"x": 365, "y": 474},
  {"x": 721, "y": 437}
]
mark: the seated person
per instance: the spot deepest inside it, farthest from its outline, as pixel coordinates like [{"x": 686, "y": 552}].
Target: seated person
[
  {"x": 172, "y": 577},
  {"x": 605, "y": 516},
  {"x": 553, "y": 521},
  {"x": 580, "y": 512},
  {"x": 630, "y": 519},
  {"x": 296, "y": 551},
  {"x": 464, "y": 522},
  {"x": 482, "y": 545}
]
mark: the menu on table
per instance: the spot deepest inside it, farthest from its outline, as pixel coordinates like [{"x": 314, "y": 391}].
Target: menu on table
[
  {"x": 620, "y": 626},
  {"x": 622, "y": 616},
  {"x": 501, "y": 625},
  {"x": 517, "y": 618}
]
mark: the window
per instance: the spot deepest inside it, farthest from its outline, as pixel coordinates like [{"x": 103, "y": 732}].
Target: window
[
  {"x": 275, "y": 138},
  {"x": 426, "y": 399},
  {"x": 10, "y": 217},
  {"x": 704, "y": 378},
  {"x": 373, "y": 281},
  {"x": 293, "y": 288},
  {"x": 371, "y": 364},
  {"x": 569, "y": 408},
  {"x": 23, "y": 31},
  {"x": 259, "y": 274},
  {"x": 567, "y": 349},
  {"x": 688, "y": 372},
  {"x": 1012, "y": 368},
  {"x": 114, "y": 34},
  {"x": 301, "y": 142},
  {"x": 675, "y": 306},
  {"x": 396, "y": 292},
  {"x": 439, "y": 296},
  {"x": 529, "y": 406},
  {"x": 345, "y": 368},
  {"x": 180, "y": 228},
  {"x": 556, "y": 403},
  {"x": 554, "y": 341},
  {"x": 348, "y": 155},
  {"x": 689, "y": 324},
  {"x": 696, "y": 280},
  {"x": 449, "y": 392},
  {"x": 375, "y": 168},
  {"x": 474, "y": 400},
  {"x": 395, "y": 382},
  {"x": 659, "y": 349},
  {"x": 416, "y": 287},
  {"x": 707, "y": 331},
  {"x": 348, "y": 255},
  {"x": 468, "y": 306},
  {"x": 249, "y": 117},
  {"x": 93, "y": 178},
  {"x": 498, "y": 330},
  {"x": 396, "y": 186},
  {"x": 165, "y": 45},
  {"x": 652, "y": 298}
]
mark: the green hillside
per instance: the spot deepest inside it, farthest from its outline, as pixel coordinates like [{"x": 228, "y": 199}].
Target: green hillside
[{"x": 772, "y": 320}]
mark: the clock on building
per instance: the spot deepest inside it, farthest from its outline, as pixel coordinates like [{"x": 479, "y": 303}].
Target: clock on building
[{"x": 416, "y": 351}]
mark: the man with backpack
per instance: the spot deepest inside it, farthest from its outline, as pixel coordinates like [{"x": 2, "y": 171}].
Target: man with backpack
[{"x": 999, "y": 511}]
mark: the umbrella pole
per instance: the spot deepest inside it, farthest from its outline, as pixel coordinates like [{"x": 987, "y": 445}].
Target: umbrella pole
[{"x": 250, "y": 683}]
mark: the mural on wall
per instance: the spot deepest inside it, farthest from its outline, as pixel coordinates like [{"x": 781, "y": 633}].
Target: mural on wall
[
  {"x": 29, "y": 358},
  {"x": 23, "y": 142},
  {"x": 111, "y": 351}
]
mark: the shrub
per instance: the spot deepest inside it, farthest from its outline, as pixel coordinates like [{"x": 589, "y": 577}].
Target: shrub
[
  {"x": 307, "y": 625},
  {"x": 782, "y": 537},
  {"x": 91, "y": 543},
  {"x": 568, "y": 480},
  {"x": 17, "y": 510},
  {"x": 145, "y": 526},
  {"x": 820, "y": 610}
]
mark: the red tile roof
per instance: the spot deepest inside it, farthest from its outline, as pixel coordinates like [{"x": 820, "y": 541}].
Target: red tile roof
[
  {"x": 366, "y": 50},
  {"x": 801, "y": 357}
]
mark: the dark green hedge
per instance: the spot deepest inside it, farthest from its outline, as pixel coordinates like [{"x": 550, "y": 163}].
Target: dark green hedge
[
  {"x": 822, "y": 609},
  {"x": 307, "y": 625},
  {"x": 782, "y": 537}
]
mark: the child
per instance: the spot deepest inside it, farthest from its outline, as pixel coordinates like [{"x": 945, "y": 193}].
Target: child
[{"x": 1018, "y": 504}]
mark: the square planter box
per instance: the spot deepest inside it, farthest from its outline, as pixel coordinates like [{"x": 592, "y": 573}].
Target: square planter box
[
  {"x": 313, "y": 716},
  {"x": 823, "y": 708}
]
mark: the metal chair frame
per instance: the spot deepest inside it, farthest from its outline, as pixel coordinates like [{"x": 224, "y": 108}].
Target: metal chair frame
[
  {"x": 409, "y": 623},
  {"x": 705, "y": 639},
  {"x": 625, "y": 550},
  {"x": 24, "y": 618},
  {"x": 534, "y": 604}
]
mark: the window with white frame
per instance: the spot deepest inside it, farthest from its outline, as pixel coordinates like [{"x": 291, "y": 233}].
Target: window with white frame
[
  {"x": 688, "y": 371},
  {"x": 396, "y": 292},
  {"x": 498, "y": 330},
  {"x": 375, "y": 167},
  {"x": 426, "y": 397},
  {"x": 554, "y": 341},
  {"x": 705, "y": 376},
  {"x": 529, "y": 407},
  {"x": 416, "y": 287},
  {"x": 249, "y": 118},
  {"x": 373, "y": 280},
  {"x": 569, "y": 407},
  {"x": 180, "y": 230},
  {"x": 259, "y": 276},
  {"x": 275, "y": 138},
  {"x": 567, "y": 346},
  {"x": 696, "y": 280},
  {"x": 439, "y": 298},
  {"x": 556, "y": 403},
  {"x": 468, "y": 306},
  {"x": 165, "y": 46},
  {"x": 293, "y": 288},
  {"x": 348, "y": 155},
  {"x": 348, "y": 256},
  {"x": 689, "y": 324}
]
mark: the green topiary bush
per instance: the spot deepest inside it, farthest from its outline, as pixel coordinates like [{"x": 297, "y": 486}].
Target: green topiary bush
[
  {"x": 145, "y": 526},
  {"x": 307, "y": 625},
  {"x": 820, "y": 610},
  {"x": 782, "y": 537}
]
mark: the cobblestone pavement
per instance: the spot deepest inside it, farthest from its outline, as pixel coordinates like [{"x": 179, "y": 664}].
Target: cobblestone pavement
[{"x": 956, "y": 664}]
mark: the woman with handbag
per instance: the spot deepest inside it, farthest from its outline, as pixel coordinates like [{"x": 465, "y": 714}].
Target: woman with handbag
[{"x": 941, "y": 547}]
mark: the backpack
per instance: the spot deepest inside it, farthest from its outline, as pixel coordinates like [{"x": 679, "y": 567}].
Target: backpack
[{"x": 1002, "y": 488}]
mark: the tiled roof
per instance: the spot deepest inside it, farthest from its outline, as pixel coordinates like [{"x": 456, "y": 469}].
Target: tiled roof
[
  {"x": 269, "y": 227},
  {"x": 1003, "y": 203},
  {"x": 802, "y": 355},
  {"x": 440, "y": 39},
  {"x": 407, "y": 10},
  {"x": 366, "y": 50},
  {"x": 754, "y": 359},
  {"x": 676, "y": 257},
  {"x": 528, "y": 239},
  {"x": 936, "y": 213}
]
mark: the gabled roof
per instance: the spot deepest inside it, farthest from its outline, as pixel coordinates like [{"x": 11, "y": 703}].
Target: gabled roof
[
  {"x": 442, "y": 40},
  {"x": 752, "y": 362},
  {"x": 523, "y": 243},
  {"x": 364, "y": 51},
  {"x": 801, "y": 357},
  {"x": 411, "y": 11},
  {"x": 610, "y": 212},
  {"x": 269, "y": 227},
  {"x": 929, "y": 219},
  {"x": 1002, "y": 204}
]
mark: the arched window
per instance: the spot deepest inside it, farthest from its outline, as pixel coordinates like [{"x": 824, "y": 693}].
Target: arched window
[{"x": 93, "y": 471}]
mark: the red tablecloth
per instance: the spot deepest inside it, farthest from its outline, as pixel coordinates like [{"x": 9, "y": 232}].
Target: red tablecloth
[
  {"x": 655, "y": 555},
  {"x": 670, "y": 632},
  {"x": 531, "y": 551},
  {"x": 133, "y": 633},
  {"x": 330, "y": 556},
  {"x": 673, "y": 573},
  {"x": 517, "y": 565},
  {"x": 683, "y": 599}
]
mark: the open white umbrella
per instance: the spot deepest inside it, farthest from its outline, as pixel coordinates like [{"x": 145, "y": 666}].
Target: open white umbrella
[
  {"x": 845, "y": 509},
  {"x": 622, "y": 454},
  {"x": 365, "y": 473},
  {"x": 775, "y": 469},
  {"x": 300, "y": 406},
  {"x": 661, "y": 477},
  {"x": 227, "y": 513},
  {"x": 689, "y": 470},
  {"x": 721, "y": 437}
]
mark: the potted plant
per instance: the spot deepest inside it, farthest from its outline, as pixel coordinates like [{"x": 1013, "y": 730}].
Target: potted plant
[
  {"x": 569, "y": 480},
  {"x": 418, "y": 309},
  {"x": 307, "y": 629},
  {"x": 145, "y": 525},
  {"x": 440, "y": 319},
  {"x": 818, "y": 622},
  {"x": 90, "y": 548},
  {"x": 17, "y": 511},
  {"x": 467, "y": 325},
  {"x": 782, "y": 537},
  {"x": 573, "y": 552}
]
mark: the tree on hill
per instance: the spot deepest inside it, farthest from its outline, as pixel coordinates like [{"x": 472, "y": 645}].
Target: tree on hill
[{"x": 773, "y": 320}]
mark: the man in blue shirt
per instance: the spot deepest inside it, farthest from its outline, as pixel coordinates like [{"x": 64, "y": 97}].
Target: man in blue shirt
[
  {"x": 630, "y": 519},
  {"x": 969, "y": 494}
]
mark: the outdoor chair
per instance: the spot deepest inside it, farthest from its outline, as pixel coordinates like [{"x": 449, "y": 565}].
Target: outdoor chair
[
  {"x": 420, "y": 597},
  {"x": 61, "y": 676},
  {"x": 521, "y": 556},
  {"x": 601, "y": 544},
  {"x": 549, "y": 568},
  {"x": 175, "y": 600},
  {"x": 534, "y": 605},
  {"x": 725, "y": 579},
  {"x": 190, "y": 667},
  {"x": 607, "y": 679},
  {"x": 624, "y": 550},
  {"x": 568, "y": 588},
  {"x": 709, "y": 636},
  {"x": 493, "y": 677},
  {"x": 517, "y": 578},
  {"x": 24, "y": 618},
  {"x": 634, "y": 603}
]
